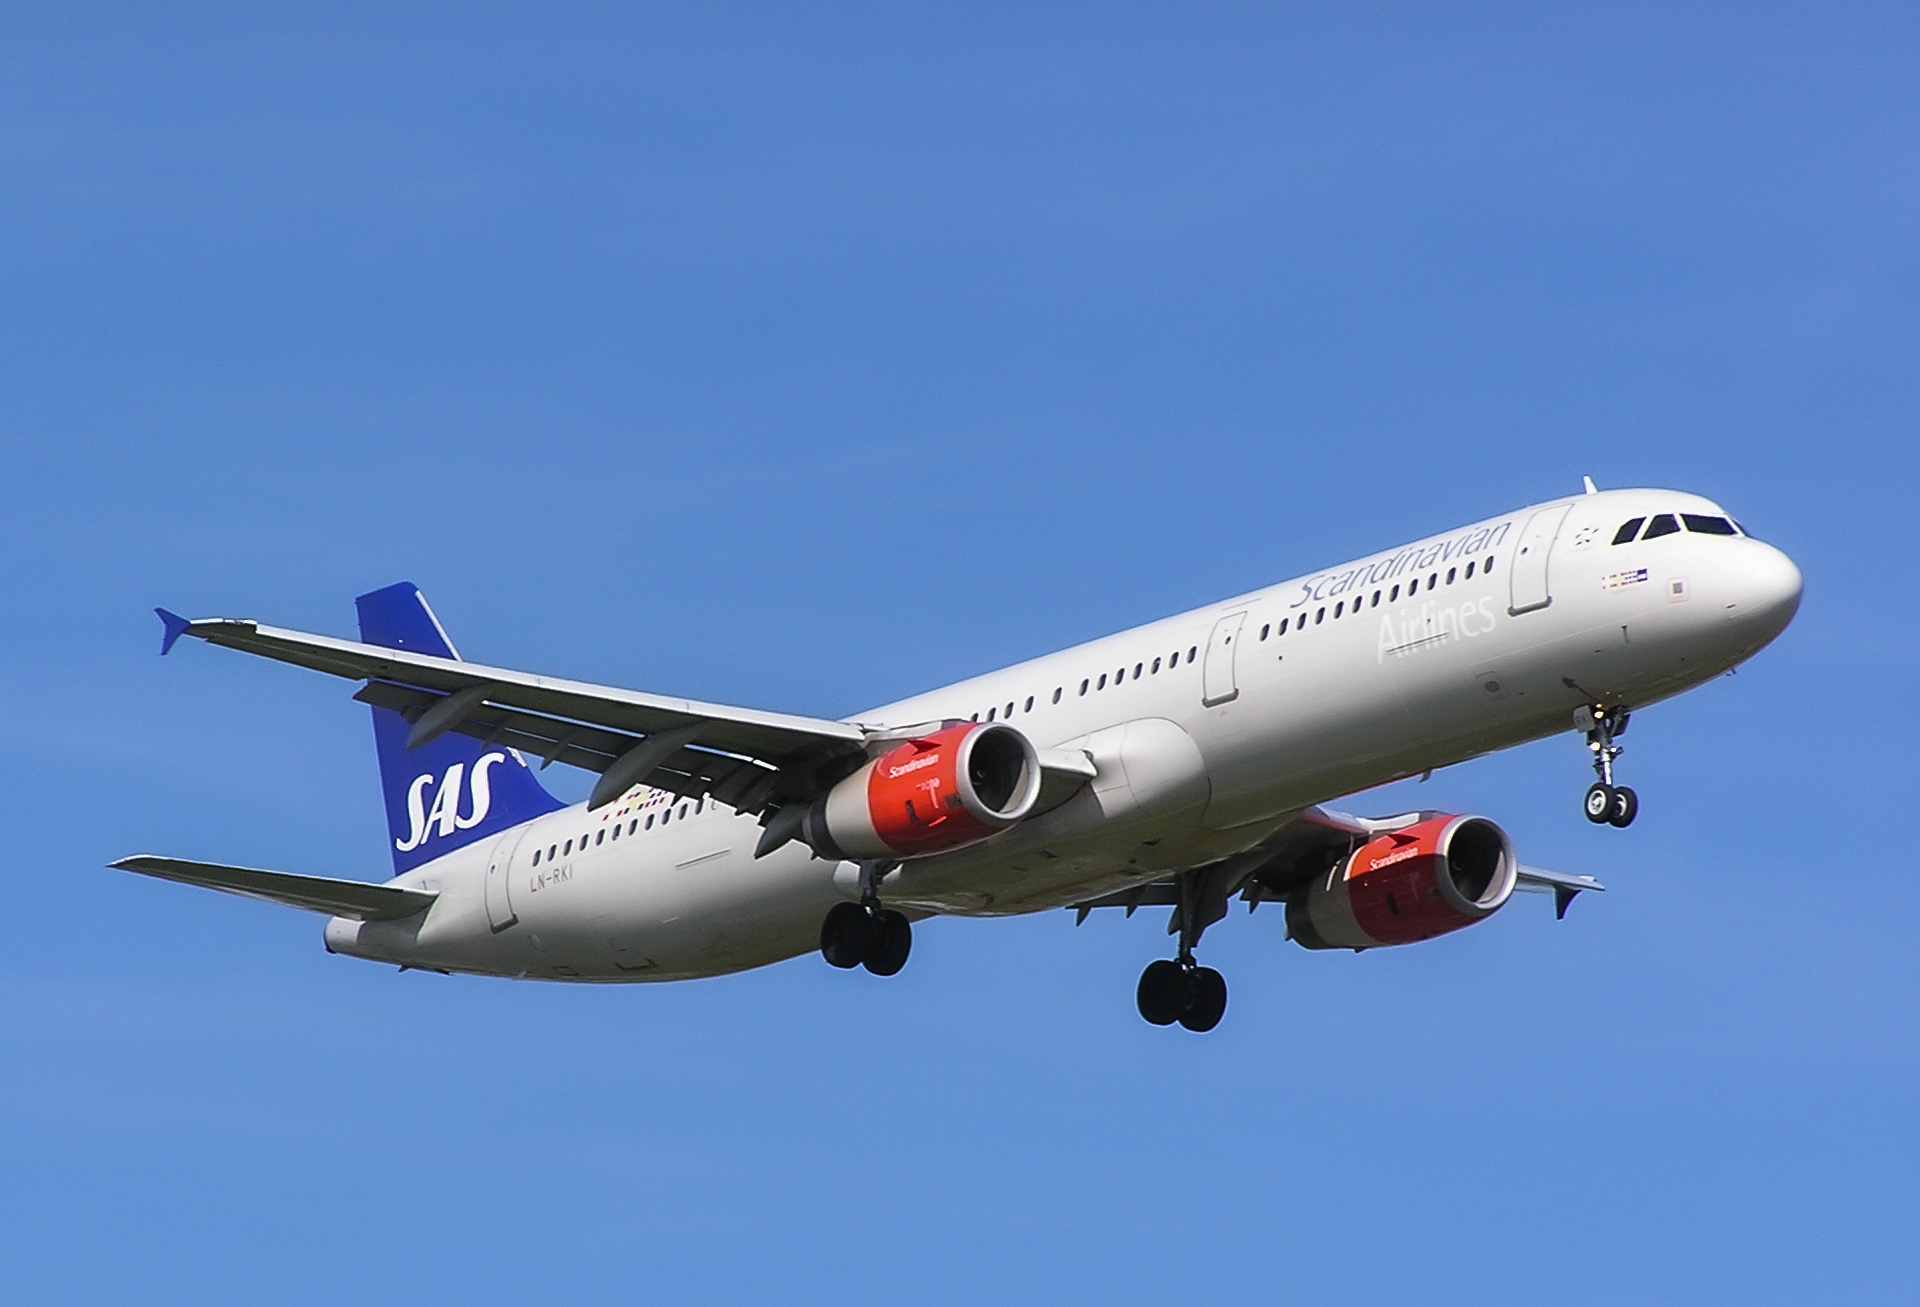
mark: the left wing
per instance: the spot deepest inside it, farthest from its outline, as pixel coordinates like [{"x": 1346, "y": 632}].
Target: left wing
[{"x": 1293, "y": 855}]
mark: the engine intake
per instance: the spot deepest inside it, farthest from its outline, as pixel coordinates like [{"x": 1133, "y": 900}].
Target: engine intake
[
  {"x": 1408, "y": 885},
  {"x": 954, "y": 787}
]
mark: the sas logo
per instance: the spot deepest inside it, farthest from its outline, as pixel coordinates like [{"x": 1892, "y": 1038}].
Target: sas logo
[{"x": 444, "y": 818}]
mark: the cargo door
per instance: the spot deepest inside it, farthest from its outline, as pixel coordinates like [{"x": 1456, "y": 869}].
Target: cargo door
[
  {"x": 1217, "y": 684},
  {"x": 1528, "y": 574}
]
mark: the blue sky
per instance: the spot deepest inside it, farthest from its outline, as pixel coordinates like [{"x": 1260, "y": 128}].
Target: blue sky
[{"x": 807, "y": 357}]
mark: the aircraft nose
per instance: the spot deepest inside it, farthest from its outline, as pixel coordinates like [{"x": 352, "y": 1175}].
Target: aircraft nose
[{"x": 1766, "y": 588}]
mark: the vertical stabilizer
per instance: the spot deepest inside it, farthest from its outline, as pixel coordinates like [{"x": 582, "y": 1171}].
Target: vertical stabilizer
[{"x": 451, "y": 791}]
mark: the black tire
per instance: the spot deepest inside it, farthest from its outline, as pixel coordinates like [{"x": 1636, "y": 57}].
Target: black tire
[
  {"x": 1209, "y": 1000},
  {"x": 1626, "y": 806},
  {"x": 1599, "y": 803},
  {"x": 892, "y": 941},
  {"x": 847, "y": 935},
  {"x": 1165, "y": 992}
]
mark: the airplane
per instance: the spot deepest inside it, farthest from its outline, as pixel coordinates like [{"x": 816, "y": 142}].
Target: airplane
[{"x": 1179, "y": 764}]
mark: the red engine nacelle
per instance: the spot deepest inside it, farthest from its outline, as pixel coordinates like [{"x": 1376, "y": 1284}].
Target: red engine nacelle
[
  {"x": 1411, "y": 884},
  {"x": 950, "y": 788}
]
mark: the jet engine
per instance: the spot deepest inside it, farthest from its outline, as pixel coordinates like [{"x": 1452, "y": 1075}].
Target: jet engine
[
  {"x": 954, "y": 787},
  {"x": 1407, "y": 885}
]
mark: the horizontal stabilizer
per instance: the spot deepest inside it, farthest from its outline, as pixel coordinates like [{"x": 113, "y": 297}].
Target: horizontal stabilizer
[{"x": 338, "y": 898}]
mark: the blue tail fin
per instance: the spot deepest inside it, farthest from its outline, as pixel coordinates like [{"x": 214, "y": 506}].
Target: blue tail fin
[{"x": 449, "y": 792}]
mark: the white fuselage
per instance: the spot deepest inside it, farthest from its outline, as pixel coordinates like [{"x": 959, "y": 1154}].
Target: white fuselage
[{"x": 1208, "y": 730}]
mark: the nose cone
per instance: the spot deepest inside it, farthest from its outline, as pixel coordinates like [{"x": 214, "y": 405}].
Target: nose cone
[{"x": 1765, "y": 590}]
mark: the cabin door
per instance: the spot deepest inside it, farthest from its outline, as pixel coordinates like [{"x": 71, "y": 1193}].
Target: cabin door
[
  {"x": 1217, "y": 681},
  {"x": 1528, "y": 573},
  {"x": 499, "y": 874}
]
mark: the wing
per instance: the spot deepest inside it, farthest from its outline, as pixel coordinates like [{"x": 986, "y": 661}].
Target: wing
[
  {"x": 1295, "y": 854},
  {"x": 745, "y": 758},
  {"x": 338, "y": 898}
]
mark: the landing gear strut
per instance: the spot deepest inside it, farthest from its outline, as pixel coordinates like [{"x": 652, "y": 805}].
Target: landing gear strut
[
  {"x": 1180, "y": 989},
  {"x": 1606, "y": 804},
  {"x": 866, "y": 934}
]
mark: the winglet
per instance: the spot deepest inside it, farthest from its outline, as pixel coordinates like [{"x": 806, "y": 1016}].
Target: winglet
[
  {"x": 1592, "y": 489},
  {"x": 176, "y": 627}
]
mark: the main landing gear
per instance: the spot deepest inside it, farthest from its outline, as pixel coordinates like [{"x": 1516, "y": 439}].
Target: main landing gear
[
  {"x": 1194, "y": 996},
  {"x": 1606, "y": 804},
  {"x": 1180, "y": 989},
  {"x": 853, "y": 936},
  {"x": 864, "y": 933}
]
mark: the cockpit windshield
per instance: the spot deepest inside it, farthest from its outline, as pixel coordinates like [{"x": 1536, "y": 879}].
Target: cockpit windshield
[{"x": 1666, "y": 524}]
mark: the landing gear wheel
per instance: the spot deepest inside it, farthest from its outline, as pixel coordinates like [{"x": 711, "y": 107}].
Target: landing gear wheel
[
  {"x": 1601, "y": 799},
  {"x": 1209, "y": 1000},
  {"x": 892, "y": 941},
  {"x": 1166, "y": 991},
  {"x": 1626, "y": 806},
  {"x": 847, "y": 936}
]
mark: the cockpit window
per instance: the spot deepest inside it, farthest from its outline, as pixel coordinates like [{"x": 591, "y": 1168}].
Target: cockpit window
[
  {"x": 1663, "y": 525},
  {"x": 1707, "y": 526},
  {"x": 1628, "y": 530}
]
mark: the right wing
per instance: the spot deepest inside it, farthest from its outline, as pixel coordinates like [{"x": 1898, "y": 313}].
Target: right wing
[
  {"x": 745, "y": 758},
  {"x": 337, "y": 898}
]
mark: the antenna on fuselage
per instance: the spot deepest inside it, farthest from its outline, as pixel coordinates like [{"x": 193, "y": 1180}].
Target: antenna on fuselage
[{"x": 1592, "y": 489}]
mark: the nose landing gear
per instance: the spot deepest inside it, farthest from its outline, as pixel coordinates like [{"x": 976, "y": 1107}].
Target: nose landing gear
[{"x": 1606, "y": 804}]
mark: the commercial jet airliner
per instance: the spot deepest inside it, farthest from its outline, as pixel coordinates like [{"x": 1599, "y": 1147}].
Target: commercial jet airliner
[{"x": 1180, "y": 764}]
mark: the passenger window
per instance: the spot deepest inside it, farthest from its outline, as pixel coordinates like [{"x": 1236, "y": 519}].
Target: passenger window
[
  {"x": 1103, "y": 682},
  {"x": 1376, "y": 600},
  {"x": 1413, "y": 587},
  {"x": 633, "y": 826},
  {"x": 1083, "y": 687},
  {"x": 1433, "y": 580},
  {"x": 991, "y": 712},
  {"x": 683, "y": 812},
  {"x": 616, "y": 830},
  {"x": 1283, "y": 624},
  {"x": 1137, "y": 669},
  {"x": 1193, "y": 653},
  {"x": 566, "y": 848},
  {"x": 1451, "y": 573},
  {"x": 701, "y": 806},
  {"x": 649, "y": 821},
  {"x": 553, "y": 851},
  {"x": 600, "y": 838},
  {"x": 1174, "y": 660},
  {"x": 1469, "y": 571},
  {"x": 1266, "y": 629},
  {"x": 1663, "y": 525},
  {"x": 1707, "y": 526},
  {"x": 536, "y": 856},
  {"x": 1120, "y": 676},
  {"x": 1320, "y": 617},
  {"x": 1394, "y": 598},
  {"x": 1336, "y": 609},
  {"x": 1056, "y": 694},
  {"x": 1156, "y": 667},
  {"x": 1628, "y": 530},
  {"x": 1029, "y": 707},
  {"x": 1488, "y": 569}
]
